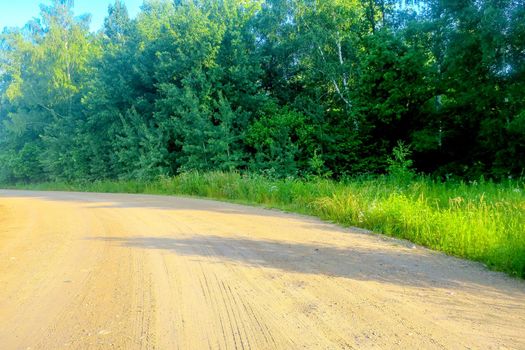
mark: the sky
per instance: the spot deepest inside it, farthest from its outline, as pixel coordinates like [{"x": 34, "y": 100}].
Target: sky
[{"x": 16, "y": 13}]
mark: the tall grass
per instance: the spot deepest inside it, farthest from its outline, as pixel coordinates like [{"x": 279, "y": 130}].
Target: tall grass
[{"x": 481, "y": 221}]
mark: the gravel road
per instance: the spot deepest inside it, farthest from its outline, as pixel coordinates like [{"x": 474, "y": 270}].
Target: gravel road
[{"x": 116, "y": 271}]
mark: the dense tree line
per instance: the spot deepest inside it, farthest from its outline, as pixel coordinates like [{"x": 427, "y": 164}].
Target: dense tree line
[{"x": 284, "y": 87}]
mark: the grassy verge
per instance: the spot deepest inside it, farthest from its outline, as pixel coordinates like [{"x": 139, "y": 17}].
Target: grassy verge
[{"x": 479, "y": 221}]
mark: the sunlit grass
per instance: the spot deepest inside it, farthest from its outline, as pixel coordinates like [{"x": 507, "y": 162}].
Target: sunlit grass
[{"x": 481, "y": 221}]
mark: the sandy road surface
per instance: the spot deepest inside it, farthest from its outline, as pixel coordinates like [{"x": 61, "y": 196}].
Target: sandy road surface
[{"x": 102, "y": 271}]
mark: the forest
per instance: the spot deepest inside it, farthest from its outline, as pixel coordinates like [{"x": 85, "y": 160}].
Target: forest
[{"x": 285, "y": 88}]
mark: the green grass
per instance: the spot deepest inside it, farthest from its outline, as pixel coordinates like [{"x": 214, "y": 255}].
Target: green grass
[{"x": 481, "y": 221}]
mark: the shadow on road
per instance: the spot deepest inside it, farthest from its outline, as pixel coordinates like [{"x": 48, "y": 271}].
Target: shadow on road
[{"x": 394, "y": 267}]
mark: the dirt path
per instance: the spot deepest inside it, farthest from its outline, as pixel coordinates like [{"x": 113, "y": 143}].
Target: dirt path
[{"x": 102, "y": 271}]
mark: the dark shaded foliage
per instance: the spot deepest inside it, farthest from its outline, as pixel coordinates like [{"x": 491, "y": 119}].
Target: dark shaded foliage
[{"x": 284, "y": 87}]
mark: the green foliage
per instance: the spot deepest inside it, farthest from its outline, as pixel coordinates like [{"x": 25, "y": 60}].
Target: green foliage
[
  {"x": 400, "y": 164},
  {"x": 287, "y": 88},
  {"x": 282, "y": 142},
  {"x": 318, "y": 167}
]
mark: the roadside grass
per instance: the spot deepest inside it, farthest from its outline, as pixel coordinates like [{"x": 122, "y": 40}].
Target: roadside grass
[{"x": 482, "y": 221}]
